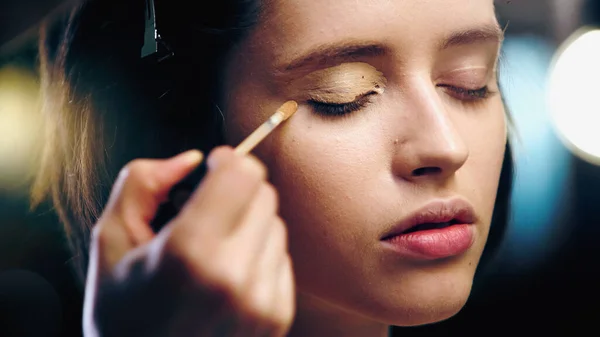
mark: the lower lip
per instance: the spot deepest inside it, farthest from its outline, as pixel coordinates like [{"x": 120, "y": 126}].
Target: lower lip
[{"x": 433, "y": 244}]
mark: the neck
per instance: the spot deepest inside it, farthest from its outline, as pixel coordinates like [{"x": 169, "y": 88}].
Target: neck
[{"x": 316, "y": 318}]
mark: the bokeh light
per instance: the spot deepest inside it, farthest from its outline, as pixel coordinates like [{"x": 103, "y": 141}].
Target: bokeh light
[
  {"x": 542, "y": 164},
  {"x": 19, "y": 126},
  {"x": 574, "y": 95}
]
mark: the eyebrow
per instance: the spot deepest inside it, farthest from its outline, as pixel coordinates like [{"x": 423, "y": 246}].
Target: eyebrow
[
  {"x": 487, "y": 33},
  {"x": 332, "y": 54}
]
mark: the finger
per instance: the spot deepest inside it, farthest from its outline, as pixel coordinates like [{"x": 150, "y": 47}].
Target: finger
[
  {"x": 252, "y": 235},
  {"x": 140, "y": 188},
  {"x": 285, "y": 301},
  {"x": 232, "y": 260},
  {"x": 274, "y": 247},
  {"x": 267, "y": 274},
  {"x": 223, "y": 197},
  {"x": 258, "y": 301}
]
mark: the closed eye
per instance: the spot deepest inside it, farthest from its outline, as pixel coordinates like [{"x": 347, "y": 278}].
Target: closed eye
[
  {"x": 340, "y": 109},
  {"x": 468, "y": 95}
]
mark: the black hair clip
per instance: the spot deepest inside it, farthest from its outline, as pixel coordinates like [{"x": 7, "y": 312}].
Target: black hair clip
[{"x": 154, "y": 46}]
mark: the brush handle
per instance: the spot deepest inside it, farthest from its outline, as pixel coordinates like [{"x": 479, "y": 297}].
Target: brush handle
[
  {"x": 181, "y": 192},
  {"x": 178, "y": 196}
]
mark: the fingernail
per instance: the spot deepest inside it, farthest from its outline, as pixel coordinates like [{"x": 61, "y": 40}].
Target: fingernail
[
  {"x": 218, "y": 156},
  {"x": 190, "y": 157}
]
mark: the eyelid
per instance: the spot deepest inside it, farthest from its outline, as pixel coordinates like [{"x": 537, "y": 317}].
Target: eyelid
[
  {"x": 339, "y": 84},
  {"x": 472, "y": 78},
  {"x": 318, "y": 99}
]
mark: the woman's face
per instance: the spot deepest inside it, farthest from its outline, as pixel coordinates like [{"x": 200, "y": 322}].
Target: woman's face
[{"x": 399, "y": 113}]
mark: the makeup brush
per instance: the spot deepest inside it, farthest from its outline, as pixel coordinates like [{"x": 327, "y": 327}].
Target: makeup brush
[{"x": 181, "y": 192}]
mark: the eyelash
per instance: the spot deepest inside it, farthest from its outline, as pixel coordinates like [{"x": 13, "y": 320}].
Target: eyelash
[
  {"x": 340, "y": 109},
  {"x": 468, "y": 95}
]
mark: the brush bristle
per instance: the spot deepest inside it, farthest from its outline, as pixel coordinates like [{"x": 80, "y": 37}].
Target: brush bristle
[{"x": 288, "y": 109}]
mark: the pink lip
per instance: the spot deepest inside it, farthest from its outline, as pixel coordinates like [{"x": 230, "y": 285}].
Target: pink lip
[{"x": 438, "y": 243}]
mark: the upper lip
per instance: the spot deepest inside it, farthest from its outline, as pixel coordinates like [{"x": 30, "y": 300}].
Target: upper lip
[{"x": 457, "y": 210}]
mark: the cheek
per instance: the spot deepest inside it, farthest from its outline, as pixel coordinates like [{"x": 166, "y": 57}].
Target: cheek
[
  {"x": 321, "y": 170},
  {"x": 309, "y": 161},
  {"x": 487, "y": 142}
]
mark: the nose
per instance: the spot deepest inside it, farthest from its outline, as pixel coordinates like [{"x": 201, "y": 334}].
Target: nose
[{"x": 432, "y": 147}]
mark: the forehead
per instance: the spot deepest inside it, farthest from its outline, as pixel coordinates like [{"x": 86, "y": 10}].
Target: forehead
[{"x": 290, "y": 26}]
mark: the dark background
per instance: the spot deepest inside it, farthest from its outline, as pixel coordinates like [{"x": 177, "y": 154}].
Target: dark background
[{"x": 555, "y": 294}]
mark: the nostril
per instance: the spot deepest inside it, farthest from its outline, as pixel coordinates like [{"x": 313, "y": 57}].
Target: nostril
[{"x": 426, "y": 171}]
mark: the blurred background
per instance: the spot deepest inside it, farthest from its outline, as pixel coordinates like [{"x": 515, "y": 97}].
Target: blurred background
[{"x": 545, "y": 279}]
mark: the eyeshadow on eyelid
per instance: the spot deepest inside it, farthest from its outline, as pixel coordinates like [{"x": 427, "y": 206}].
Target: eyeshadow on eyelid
[{"x": 340, "y": 84}]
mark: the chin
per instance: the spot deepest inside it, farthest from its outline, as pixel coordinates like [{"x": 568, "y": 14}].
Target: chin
[
  {"x": 427, "y": 301},
  {"x": 438, "y": 312}
]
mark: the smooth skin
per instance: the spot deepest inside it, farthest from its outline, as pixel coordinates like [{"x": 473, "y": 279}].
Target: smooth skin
[{"x": 345, "y": 180}]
